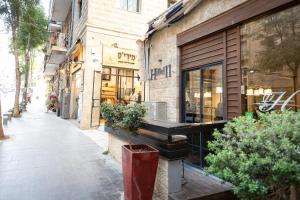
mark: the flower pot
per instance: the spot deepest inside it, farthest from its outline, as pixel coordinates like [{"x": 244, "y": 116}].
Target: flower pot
[{"x": 139, "y": 171}]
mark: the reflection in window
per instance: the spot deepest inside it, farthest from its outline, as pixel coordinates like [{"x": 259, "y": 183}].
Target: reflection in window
[
  {"x": 129, "y": 5},
  {"x": 270, "y": 49},
  {"x": 203, "y": 94}
]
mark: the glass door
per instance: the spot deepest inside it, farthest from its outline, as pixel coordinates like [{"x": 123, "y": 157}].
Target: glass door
[{"x": 203, "y": 94}]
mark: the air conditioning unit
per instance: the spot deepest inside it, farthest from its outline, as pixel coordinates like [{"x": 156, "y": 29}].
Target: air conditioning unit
[{"x": 156, "y": 111}]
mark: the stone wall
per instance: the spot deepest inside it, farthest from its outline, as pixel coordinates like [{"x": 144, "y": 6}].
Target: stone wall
[
  {"x": 105, "y": 15},
  {"x": 164, "y": 51}
]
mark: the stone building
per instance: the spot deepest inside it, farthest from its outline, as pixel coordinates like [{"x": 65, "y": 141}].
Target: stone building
[
  {"x": 208, "y": 60},
  {"x": 93, "y": 53}
]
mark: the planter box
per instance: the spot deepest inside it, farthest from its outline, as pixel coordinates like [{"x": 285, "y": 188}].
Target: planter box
[
  {"x": 139, "y": 163},
  {"x": 169, "y": 171},
  {"x": 176, "y": 150}
]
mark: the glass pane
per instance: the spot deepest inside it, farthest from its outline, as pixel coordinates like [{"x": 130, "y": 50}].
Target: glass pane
[
  {"x": 137, "y": 91},
  {"x": 125, "y": 89},
  {"x": 122, "y": 4},
  {"x": 192, "y": 96},
  {"x": 270, "y": 57},
  {"x": 109, "y": 88},
  {"x": 133, "y": 5},
  {"x": 212, "y": 93}
]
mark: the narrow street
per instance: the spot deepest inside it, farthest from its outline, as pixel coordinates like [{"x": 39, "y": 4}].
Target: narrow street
[{"x": 47, "y": 157}]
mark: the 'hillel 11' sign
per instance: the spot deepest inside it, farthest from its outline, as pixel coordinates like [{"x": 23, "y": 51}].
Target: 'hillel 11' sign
[
  {"x": 268, "y": 103},
  {"x": 165, "y": 71}
]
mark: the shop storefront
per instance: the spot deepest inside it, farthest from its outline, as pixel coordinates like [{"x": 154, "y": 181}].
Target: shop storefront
[
  {"x": 120, "y": 79},
  {"x": 235, "y": 63}
]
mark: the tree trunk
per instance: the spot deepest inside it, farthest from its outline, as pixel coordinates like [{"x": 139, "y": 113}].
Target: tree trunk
[
  {"x": 2, "y": 136},
  {"x": 27, "y": 59},
  {"x": 293, "y": 192},
  {"x": 16, "y": 112}
]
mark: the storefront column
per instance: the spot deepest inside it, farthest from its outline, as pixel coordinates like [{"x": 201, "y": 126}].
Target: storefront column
[{"x": 92, "y": 58}]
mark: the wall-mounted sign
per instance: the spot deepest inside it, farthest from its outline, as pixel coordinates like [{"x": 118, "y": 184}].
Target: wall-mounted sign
[
  {"x": 117, "y": 57},
  {"x": 270, "y": 101},
  {"x": 165, "y": 72}
]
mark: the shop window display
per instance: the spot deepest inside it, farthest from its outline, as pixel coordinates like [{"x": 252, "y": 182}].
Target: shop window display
[
  {"x": 203, "y": 94},
  {"x": 120, "y": 86},
  {"x": 270, "y": 49}
]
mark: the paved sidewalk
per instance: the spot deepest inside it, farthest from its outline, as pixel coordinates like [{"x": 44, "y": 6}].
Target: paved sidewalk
[{"x": 48, "y": 158}]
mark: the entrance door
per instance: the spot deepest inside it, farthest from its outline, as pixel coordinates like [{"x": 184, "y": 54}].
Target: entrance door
[
  {"x": 203, "y": 94},
  {"x": 202, "y": 102}
]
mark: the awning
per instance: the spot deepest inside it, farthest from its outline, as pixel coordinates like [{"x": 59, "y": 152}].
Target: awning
[
  {"x": 50, "y": 69},
  {"x": 57, "y": 55},
  {"x": 174, "y": 14}
]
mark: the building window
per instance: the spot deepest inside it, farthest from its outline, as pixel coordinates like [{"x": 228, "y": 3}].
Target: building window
[
  {"x": 203, "y": 94},
  {"x": 270, "y": 49},
  {"x": 129, "y": 5},
  {"x": 79, "y": 8}
]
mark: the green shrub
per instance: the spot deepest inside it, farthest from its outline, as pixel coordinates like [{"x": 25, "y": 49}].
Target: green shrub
[
  {"x": 127, "y": 117},
  {"x": 123, "y": 117},
  {"x": 133, "y": 117},
  {"x": 261, "y": 158},
  {"x": 113, "y": 114}
]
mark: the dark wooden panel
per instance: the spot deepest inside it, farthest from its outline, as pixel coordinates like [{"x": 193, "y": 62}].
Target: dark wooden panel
[
  {"x": 203, "y": 46},
  {"x": 231, "y": 42},
  {"x": 210, "y": 54},
  {"x": 233, "y": 17},
  {"x": 231, "y": 54},
  {"x": 203, "y": 51},
  {"x": 233, "y": 73},
  {"x": 203, "y": 62},
  {"x": 202, "y": 41},
  {"x": 213, "y": 49},
  {"x": 231, "y": 48},
  {"x": 232, "y": 66}
]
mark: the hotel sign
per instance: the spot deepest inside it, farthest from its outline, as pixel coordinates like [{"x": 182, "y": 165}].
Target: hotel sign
[
  {"x": 117, "y": 57},
  {"x": 165, "y": 72},
  {"x": 270, "y": 101}
]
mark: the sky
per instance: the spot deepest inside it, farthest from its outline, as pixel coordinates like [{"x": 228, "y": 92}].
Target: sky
[{"x": 7, "y": 66}]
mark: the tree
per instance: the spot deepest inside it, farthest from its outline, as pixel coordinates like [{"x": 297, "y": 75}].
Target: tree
[
  {"x": 259, "y": 157},
  {"x": 32, "y": 34},
  {"x": 11, "y": 11}
]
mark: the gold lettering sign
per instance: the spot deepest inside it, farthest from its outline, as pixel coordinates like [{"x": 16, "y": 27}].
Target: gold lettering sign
[{"x": 117, "y": 57}]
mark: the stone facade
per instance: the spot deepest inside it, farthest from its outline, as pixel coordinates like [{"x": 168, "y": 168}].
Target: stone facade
[
  {"x": 164, "y": 51},
  {"x": 102, "y": 23}
]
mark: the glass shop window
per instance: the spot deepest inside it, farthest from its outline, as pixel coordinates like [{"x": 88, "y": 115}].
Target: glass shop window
[
  {"x": 203, "y": 94},
  {"x": 121, "y": 86},
  {"x": 270, "y": 49},
  {"x": 129, "y": 5}
]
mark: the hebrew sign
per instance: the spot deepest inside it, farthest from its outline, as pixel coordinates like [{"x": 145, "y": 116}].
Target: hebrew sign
[{"x": 117, "y": 57}]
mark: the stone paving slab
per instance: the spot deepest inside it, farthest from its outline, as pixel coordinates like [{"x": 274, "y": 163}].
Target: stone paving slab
[{"x": 48, "y": 158}]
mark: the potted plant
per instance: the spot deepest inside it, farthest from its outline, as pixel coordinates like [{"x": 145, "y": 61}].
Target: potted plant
[
  {"x": 260, "y": 157},
  {"x": 139, "y": 161}
]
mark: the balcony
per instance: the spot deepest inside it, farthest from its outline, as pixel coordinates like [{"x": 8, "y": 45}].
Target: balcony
[
  {"x": 59, "y": 9},
  {"x": 57, "y": 49},
  {"x": 56, "y": 52}
]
